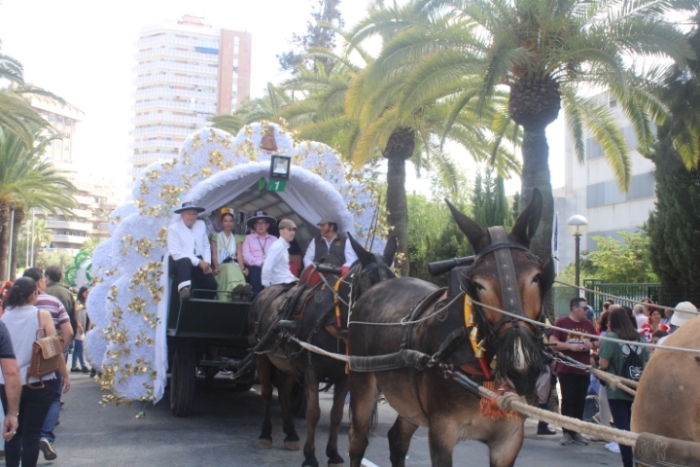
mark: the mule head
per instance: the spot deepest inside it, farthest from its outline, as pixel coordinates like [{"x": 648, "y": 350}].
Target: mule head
[
  {"x": 372, "y": 268},
  {"x": 518, "y": 289}
]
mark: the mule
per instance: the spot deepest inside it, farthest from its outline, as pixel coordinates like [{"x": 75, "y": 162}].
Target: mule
[
  {"x": 666, "y": 402},
  {"x": 290, "y": 363},
  {"x": 427, "y": 398}
]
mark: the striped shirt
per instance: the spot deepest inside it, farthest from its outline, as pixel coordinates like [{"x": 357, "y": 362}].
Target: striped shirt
[{"x": 55, "y": 307}]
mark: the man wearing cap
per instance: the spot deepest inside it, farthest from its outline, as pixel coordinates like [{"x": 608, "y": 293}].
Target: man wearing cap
[
  {"x": 275, "y": 269},
  {"x": 256, "y": 247},
  {"x": 190, "y": 251},
  {"x": 329, "y": 247}
]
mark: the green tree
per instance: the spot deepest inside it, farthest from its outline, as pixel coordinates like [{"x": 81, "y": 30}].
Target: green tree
[
  {"x": 27, "y": 181},
  {"x": 266, "y": 108},
  {"x": 626, "y": 261},
  {"x": 544, "y": 52},
  {"x": 320, "y": 33},
  {"x": 674, "y": 224},
  {"x": 433, "y": 235},
  {"x": 398, "y": 131},
  {"x": 490, "y": 205}
]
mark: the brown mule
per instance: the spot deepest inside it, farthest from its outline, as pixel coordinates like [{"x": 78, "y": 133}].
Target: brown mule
[
  {"x": 425, "y": 397},
  {"x": 283, "y": 363},
  {"x": 667, "y": 403}
]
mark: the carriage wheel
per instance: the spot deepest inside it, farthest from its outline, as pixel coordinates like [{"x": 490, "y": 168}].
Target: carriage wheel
[{"x": 182, "y": 380}]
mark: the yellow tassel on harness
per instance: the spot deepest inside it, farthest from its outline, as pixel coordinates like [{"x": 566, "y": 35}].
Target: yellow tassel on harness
[
  {"x": 338, "y": 315},
  {"x": 474, "y": 337}
]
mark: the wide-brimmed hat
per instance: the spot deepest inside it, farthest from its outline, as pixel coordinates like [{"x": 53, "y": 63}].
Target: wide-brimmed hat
[
  {"x": 328, "y": 220},
  {"x": 684, "y": 312},
  {"x": 261, "y": 215},
  {"x": 188, "y": 206}
]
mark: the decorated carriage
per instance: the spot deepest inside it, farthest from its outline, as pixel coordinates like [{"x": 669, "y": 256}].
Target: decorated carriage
[{"x": 143, "y": 332}]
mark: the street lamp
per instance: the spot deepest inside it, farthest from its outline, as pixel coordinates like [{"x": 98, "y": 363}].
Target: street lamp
[{"x": 577, "y": 225}]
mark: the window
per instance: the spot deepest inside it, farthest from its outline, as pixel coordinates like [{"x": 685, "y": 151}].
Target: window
[
  {"x": 604, "y": 193},
  {"x": 68, "y": 121},
  {"x": 51, "y": 118},
  {"x": 59, "y": 119},
  {"x": 613, "y": 103}
]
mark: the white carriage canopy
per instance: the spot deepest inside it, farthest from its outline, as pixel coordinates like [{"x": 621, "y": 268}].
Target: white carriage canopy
[{"x": 214, "y": 169}]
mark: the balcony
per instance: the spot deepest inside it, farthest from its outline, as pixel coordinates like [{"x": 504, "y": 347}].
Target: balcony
[
  {"x": 73, "y": 240},
  {"x": 171, "y": 79},
  {"x": 169, "y": 52},
  {"x": 164, "y": 91},
  {"x": 199, "y": 120},
  {"x": 70, "y": 225},
  {"x": 167, "y": 104},
  {"x": 162, "y": 65},
  {"x": 172, "y": 39}
]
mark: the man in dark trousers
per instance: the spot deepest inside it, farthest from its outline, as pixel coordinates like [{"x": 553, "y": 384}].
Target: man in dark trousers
[
  {"x": 190, "y": 251},
  {"x": 573, "y": 381},
  {"x": 330, "y": 248}
]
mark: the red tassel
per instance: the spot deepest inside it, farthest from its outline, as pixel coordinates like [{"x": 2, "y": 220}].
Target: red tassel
[{"x": 485, "y": 368}]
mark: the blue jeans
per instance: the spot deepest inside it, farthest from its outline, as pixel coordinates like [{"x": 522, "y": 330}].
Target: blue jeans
[
  {"x": 54, "y": 410},
  {"x": 621, "y": 411},
  {"x": 33, "y": 406},
  {"x": 78, "y": 354}
]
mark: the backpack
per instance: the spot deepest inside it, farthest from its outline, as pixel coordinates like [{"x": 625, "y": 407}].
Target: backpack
[
  {"x": 47, "y": 355},
  {"x": 632, "y": 366}
]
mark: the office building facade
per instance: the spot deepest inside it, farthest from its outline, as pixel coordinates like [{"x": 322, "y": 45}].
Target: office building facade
[
  {"x": 591, "y": 190},
  {"x": 186, "y": 72}
]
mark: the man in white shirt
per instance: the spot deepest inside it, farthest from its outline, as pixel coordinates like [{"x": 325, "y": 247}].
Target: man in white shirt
[
  {"x": 330, "y": 248},
  {"x": 190, "y": 251},
  {"x": 275, "y": 269}
]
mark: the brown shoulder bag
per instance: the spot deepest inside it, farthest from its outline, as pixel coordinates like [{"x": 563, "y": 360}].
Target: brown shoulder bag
[{"x": 46, "y": 356}]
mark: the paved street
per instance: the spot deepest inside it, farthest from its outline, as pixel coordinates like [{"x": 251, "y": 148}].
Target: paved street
[{"x": 225, "y": 431}]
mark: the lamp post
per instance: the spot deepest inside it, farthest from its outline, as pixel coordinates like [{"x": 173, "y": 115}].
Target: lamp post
[{"x": 577, "y": 225}]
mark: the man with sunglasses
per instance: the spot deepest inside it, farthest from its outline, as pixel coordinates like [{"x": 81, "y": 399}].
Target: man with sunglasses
[{"x": 275, "y": 269}]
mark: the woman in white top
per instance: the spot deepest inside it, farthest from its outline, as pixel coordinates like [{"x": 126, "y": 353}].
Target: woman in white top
[
  {"x": 227, "y": 258},
  {"x": 23, "y": 320},
  {"x": 81, "y": 325}
]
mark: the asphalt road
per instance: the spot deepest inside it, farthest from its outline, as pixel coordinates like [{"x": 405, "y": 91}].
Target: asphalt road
[{"x": 225, "y": 430}]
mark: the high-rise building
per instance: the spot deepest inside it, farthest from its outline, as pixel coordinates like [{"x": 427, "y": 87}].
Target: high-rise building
[
  {"x": 64, "y": 119},
  {"x": 96, "y": 198},
  {"x": 186, "y": 71},
  {"x": 591, "y": 190}
]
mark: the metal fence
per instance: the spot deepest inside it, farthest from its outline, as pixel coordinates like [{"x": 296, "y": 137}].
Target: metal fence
[{"x": 663, "y": 295}]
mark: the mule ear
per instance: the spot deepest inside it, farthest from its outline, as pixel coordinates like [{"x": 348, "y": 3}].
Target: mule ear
[
  {"x": 390, "y": 250},
  {"x": 528, "y": 220},
  {"x": 474, "y": 232},
  {"x": 363, "y": 255}
]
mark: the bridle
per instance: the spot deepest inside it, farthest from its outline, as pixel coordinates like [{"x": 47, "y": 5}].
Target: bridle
[{"x": 502, "y": 249}]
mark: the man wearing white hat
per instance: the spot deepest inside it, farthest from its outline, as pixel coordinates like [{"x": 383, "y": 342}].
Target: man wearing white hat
[
  {"x": 329, "y": 247},
  {"x": 684, "y": 312},
  {"x": 190, "y": 251}
]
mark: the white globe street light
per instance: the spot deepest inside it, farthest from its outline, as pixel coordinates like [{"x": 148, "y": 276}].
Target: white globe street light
[{"x": 577, "y": 225}]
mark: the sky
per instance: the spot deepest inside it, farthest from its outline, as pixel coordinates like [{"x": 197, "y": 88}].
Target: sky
[{"x": 84, "y": 51}]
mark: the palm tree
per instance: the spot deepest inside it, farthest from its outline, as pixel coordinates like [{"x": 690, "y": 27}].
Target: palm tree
[
  {"x": 16, "y": 113},
  {"x": 543, "y": 52},
  {"x": 388, "y": 121},
  {"x": 27, "y": 181},
  {"x": 265, "y": 108}
]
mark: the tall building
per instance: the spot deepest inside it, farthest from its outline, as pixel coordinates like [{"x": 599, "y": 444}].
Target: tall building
[
  {"x": 64, "y": 120},
  {"x": 96, "y": 197},
  {"x": 186, "y": 71},
  {"x": 591, "y": 190}
]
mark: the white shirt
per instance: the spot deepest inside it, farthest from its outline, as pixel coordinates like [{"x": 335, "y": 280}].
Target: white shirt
[
  {"x": 350, "y": 256},
  {"x": 184, "y": 242},
  {"x": 275, "y": 269}
]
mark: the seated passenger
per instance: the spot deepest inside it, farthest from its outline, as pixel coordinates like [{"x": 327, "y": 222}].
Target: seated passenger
[
  {"x": 276, "y": 270},
  {"x": 190, "y": 251},
  {"x": 329, "y": 248},
  {"x": 256, "y": 247},
  {"x": 227, "y": 258}
]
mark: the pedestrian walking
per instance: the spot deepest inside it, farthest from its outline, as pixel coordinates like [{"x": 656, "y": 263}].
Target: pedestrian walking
[{"x": 24, "y": 321}]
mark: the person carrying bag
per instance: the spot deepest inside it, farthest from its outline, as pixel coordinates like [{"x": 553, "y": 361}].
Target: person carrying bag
[{"x": 37, "y": 364}]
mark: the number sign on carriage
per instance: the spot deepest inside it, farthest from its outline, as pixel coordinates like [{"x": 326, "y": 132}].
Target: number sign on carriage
[{"x": 277, "y": 185}]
